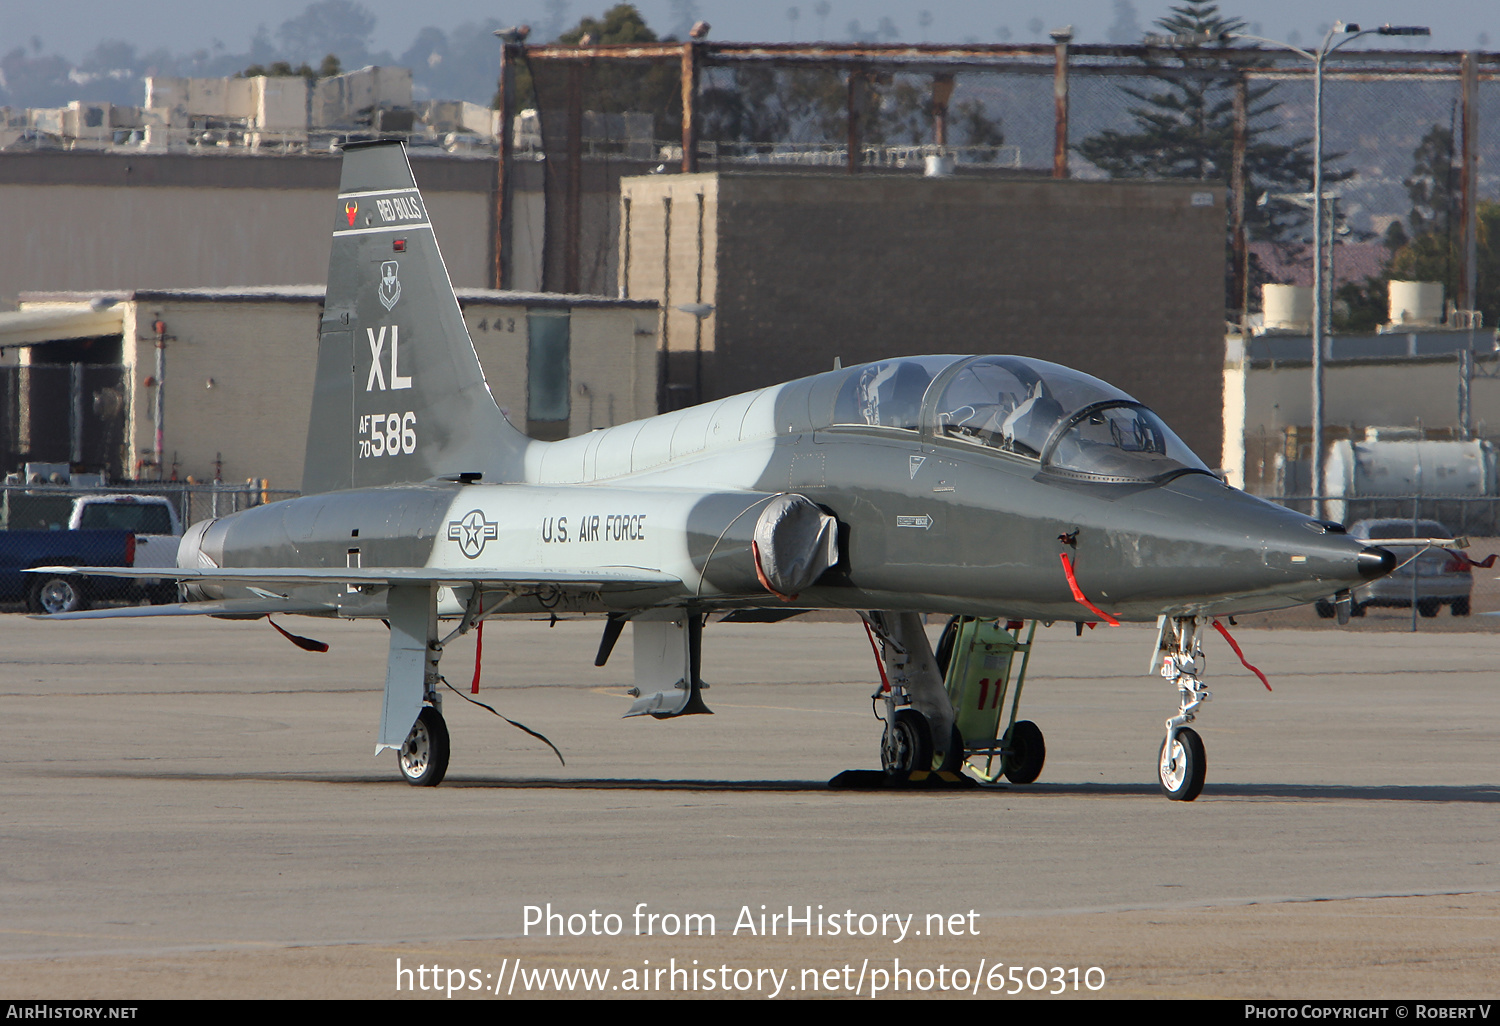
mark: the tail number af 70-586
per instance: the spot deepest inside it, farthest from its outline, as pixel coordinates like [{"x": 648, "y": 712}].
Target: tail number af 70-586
[{"x": 387, "y": 434}]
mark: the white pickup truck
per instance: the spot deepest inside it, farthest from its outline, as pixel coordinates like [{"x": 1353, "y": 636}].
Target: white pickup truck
[{"x": 157, "y": 529}]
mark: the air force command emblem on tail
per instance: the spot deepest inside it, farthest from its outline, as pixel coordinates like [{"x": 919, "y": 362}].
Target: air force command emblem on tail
[
  {"x": 472, "y": 532},
  {"x": 390, "y": 284}
]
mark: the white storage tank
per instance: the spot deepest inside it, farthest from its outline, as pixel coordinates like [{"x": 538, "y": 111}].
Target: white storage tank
[
  {"x": 1416, "y": 304},
  {"x": 1287, "y": 307},
  {"x": 1391, "y": 469}
]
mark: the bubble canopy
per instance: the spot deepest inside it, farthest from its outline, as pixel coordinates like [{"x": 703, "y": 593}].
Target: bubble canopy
[{"x": 1070, "y": 423}]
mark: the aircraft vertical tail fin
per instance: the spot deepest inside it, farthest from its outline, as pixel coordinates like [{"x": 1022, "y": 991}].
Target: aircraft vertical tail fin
[{"x": 399, "y": 395}]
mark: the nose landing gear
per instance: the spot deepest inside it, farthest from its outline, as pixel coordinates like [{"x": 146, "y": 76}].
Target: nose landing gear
[{"x": 1181, "y": 765}]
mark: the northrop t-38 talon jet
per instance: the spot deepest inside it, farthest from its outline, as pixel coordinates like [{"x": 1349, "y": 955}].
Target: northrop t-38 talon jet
[{"x": 979, "y": 486}]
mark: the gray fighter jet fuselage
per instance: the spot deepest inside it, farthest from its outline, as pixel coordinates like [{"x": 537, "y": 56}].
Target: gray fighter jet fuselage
[
  {"x": 936, "y": 520},
  {"x": 973, "y": 486}
]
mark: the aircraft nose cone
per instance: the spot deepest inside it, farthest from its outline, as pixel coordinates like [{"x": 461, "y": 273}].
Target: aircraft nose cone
[{"x": 1376, "y": 562}]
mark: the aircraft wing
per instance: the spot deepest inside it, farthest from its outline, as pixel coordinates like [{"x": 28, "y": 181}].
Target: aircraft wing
[{"x": 607, "y": 578}]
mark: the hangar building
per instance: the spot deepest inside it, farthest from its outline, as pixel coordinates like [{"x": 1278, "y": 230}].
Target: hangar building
[{"x": 238, "y": 363}]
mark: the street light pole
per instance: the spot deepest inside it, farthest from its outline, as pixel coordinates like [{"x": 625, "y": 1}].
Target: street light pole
[
  {"x": 1349, "y": 33},
  {"x": 1317, "y": 325}
]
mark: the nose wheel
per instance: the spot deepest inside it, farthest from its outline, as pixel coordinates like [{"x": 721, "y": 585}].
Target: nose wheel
[{"x": 1182, "y": 765}]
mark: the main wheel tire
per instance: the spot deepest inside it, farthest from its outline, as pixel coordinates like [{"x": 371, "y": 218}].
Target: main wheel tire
[
  {"x": 1428, "y": 607},
  {"x": 1182, "y": 769},
  {"x": 424, "y": 754},
  {"x": 1356, "y": 609},
  {"x": 56, "y": 595},
  {"x": 907, "y": 743},
  {"x": 1026, "y": 751},
  {"x": 953, "y": 759},
  {"x": 1460, "y": 606},
  {"x": 1324, "y": 609}
]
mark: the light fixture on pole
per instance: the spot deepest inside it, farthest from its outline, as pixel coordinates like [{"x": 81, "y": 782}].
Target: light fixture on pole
[{"x": 1346, "y": 34}]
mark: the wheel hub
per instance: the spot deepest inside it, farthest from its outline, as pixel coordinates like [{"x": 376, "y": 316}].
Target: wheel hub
[
  {"x": 416, "y": 751},
  {"x": 57, "y": 597},
  {"x": 1173, "y": 765},
  {"x": 898, "y": 748}
]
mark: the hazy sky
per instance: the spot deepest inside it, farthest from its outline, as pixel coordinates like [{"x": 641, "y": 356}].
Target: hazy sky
[{"x": 73, "y": 27}]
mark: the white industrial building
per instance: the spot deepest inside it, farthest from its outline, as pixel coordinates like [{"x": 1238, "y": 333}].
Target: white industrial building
[{"x": 1431, "y": 373}]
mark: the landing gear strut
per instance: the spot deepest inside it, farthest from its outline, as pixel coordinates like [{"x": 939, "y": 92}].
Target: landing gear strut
[
  {"x": 1181, "y": 765},
  {"x": 412, "y": 718},
  {"x": 920, "y": 726}
]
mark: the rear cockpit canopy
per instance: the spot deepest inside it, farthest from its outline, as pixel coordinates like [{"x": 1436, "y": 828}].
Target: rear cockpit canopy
[{"x": 1070, "y": 423}]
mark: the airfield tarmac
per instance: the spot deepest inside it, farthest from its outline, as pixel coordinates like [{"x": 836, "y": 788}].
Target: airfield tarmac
[{"x": 191, "y": 809}]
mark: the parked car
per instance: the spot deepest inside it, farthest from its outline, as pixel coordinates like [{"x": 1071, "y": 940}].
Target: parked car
[{"x": 1442, "y": 577}]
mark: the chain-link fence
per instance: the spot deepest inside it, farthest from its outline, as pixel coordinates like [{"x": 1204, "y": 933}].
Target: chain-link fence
[
  {"x": 1459, "y": 516},
  {"x": 43, "y": 507}
]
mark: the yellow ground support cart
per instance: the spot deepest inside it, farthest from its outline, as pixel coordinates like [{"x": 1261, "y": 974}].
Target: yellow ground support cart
[{"x": 981, "y": 660}]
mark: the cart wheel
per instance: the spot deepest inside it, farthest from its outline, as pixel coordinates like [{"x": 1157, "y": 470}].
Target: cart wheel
[
  {"x": 907, "y": 743},
  {"x": 1025, "y": 752},
  {"x": 953, "y": 761}
]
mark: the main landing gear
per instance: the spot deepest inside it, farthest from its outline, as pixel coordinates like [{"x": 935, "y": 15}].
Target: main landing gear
[
  {"x": 424, "y": 753},
  {"x": 921, "y": 731},
  {"x": 411, "y": 720},
  {"x": 1181, "y": 765}
]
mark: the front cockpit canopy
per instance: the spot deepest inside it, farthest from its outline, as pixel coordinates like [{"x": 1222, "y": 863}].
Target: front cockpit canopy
[{"x": 1072, "y": 424}]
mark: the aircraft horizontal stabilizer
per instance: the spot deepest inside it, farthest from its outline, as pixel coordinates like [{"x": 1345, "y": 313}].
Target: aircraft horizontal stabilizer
[
  {"x": 600, "y": 579},
  {"x": 234, "y": 608}
]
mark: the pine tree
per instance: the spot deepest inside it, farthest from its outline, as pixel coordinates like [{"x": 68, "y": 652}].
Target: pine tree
[
  {"x": 1184, "y": 127},
  {"x": 1433, "y": 182},
  {"x": 1431, "y": 249},
  {"x": 1436, "y": 255},
  {"x": 608, "y": 87}
]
